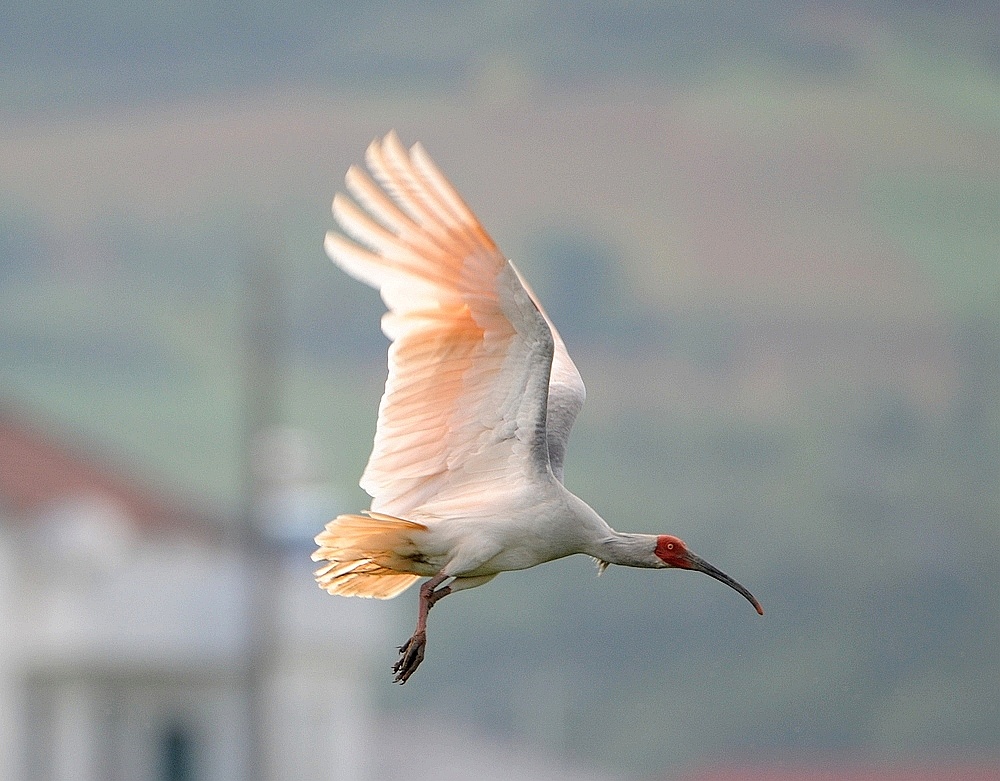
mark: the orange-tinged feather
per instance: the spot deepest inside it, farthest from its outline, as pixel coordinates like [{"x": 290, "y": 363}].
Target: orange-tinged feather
[
  {"x": 353, "y": 545},
  {"x": 470, "y": 353}
]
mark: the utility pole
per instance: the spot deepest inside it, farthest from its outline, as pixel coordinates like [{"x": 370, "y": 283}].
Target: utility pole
[{"x": 262, "y": 395}]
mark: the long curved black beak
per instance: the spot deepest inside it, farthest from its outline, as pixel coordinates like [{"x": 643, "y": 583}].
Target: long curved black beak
[{"x": 699, "y": 564}]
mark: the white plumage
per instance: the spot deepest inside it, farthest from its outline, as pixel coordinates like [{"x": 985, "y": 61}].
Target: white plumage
[{"x": 466, "y": 470}]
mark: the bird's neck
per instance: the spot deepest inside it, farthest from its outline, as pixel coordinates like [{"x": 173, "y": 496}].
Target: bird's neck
[
  {"x": 627, "y": 550},
  {"x": 602, "y": 542}
]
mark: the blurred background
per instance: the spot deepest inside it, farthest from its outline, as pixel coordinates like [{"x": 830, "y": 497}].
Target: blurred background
[{"x": 770, "y": 236}]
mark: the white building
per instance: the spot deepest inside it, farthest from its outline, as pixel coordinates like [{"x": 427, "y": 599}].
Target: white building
[{"x": 128, "y": 626}]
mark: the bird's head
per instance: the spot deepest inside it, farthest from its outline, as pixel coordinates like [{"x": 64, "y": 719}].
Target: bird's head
[{"x": 674, "y": 553}]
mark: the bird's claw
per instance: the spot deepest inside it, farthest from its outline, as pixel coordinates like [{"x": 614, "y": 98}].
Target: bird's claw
[{"x": 411, "y": 654}]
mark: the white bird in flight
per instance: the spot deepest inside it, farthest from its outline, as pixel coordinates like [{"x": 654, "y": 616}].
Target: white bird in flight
[{"x": 466, "y": 473}]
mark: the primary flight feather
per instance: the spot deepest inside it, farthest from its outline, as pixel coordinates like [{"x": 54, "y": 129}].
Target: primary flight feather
[{"x": 466, "y": 470}]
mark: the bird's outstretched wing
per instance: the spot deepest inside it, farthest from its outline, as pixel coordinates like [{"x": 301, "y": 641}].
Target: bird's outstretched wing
[
  {"x": 566, "y": 394},
  {"x": 463, "y": 417}
]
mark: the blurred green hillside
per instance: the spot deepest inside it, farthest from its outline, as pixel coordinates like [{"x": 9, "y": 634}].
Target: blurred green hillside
[{"x": 769, "y": 237}]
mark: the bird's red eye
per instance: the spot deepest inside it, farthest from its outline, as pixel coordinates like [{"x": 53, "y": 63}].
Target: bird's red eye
[{"x": 670, "y": 546}]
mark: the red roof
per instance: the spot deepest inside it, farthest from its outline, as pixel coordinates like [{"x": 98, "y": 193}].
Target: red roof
[{"x": 37, "y": 472}]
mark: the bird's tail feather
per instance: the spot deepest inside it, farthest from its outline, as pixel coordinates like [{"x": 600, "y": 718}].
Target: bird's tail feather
[{"x": 351, "y": 546}]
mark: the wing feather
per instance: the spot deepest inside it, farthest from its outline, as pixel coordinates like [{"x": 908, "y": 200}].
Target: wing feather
[
  {"x": 468, "y": 394},
  {"x": 567, "y": 394}
]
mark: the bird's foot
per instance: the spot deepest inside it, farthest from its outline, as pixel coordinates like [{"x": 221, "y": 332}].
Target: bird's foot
[{"x": 411, "y": 654}]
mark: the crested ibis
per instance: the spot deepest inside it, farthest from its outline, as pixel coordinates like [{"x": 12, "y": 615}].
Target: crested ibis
[{"x": 466, "y": 472}]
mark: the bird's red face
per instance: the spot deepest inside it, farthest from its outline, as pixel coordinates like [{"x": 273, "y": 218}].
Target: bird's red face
[{"x": 674, "y": 553}]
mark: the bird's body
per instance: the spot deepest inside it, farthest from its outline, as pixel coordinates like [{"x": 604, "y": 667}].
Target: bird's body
[
  {"x": 504, "y": 537},
  {"x": 466, "y": 470}
]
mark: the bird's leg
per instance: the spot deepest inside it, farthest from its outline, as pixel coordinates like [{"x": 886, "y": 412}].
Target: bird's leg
[{"x": 411, "y": 653}]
